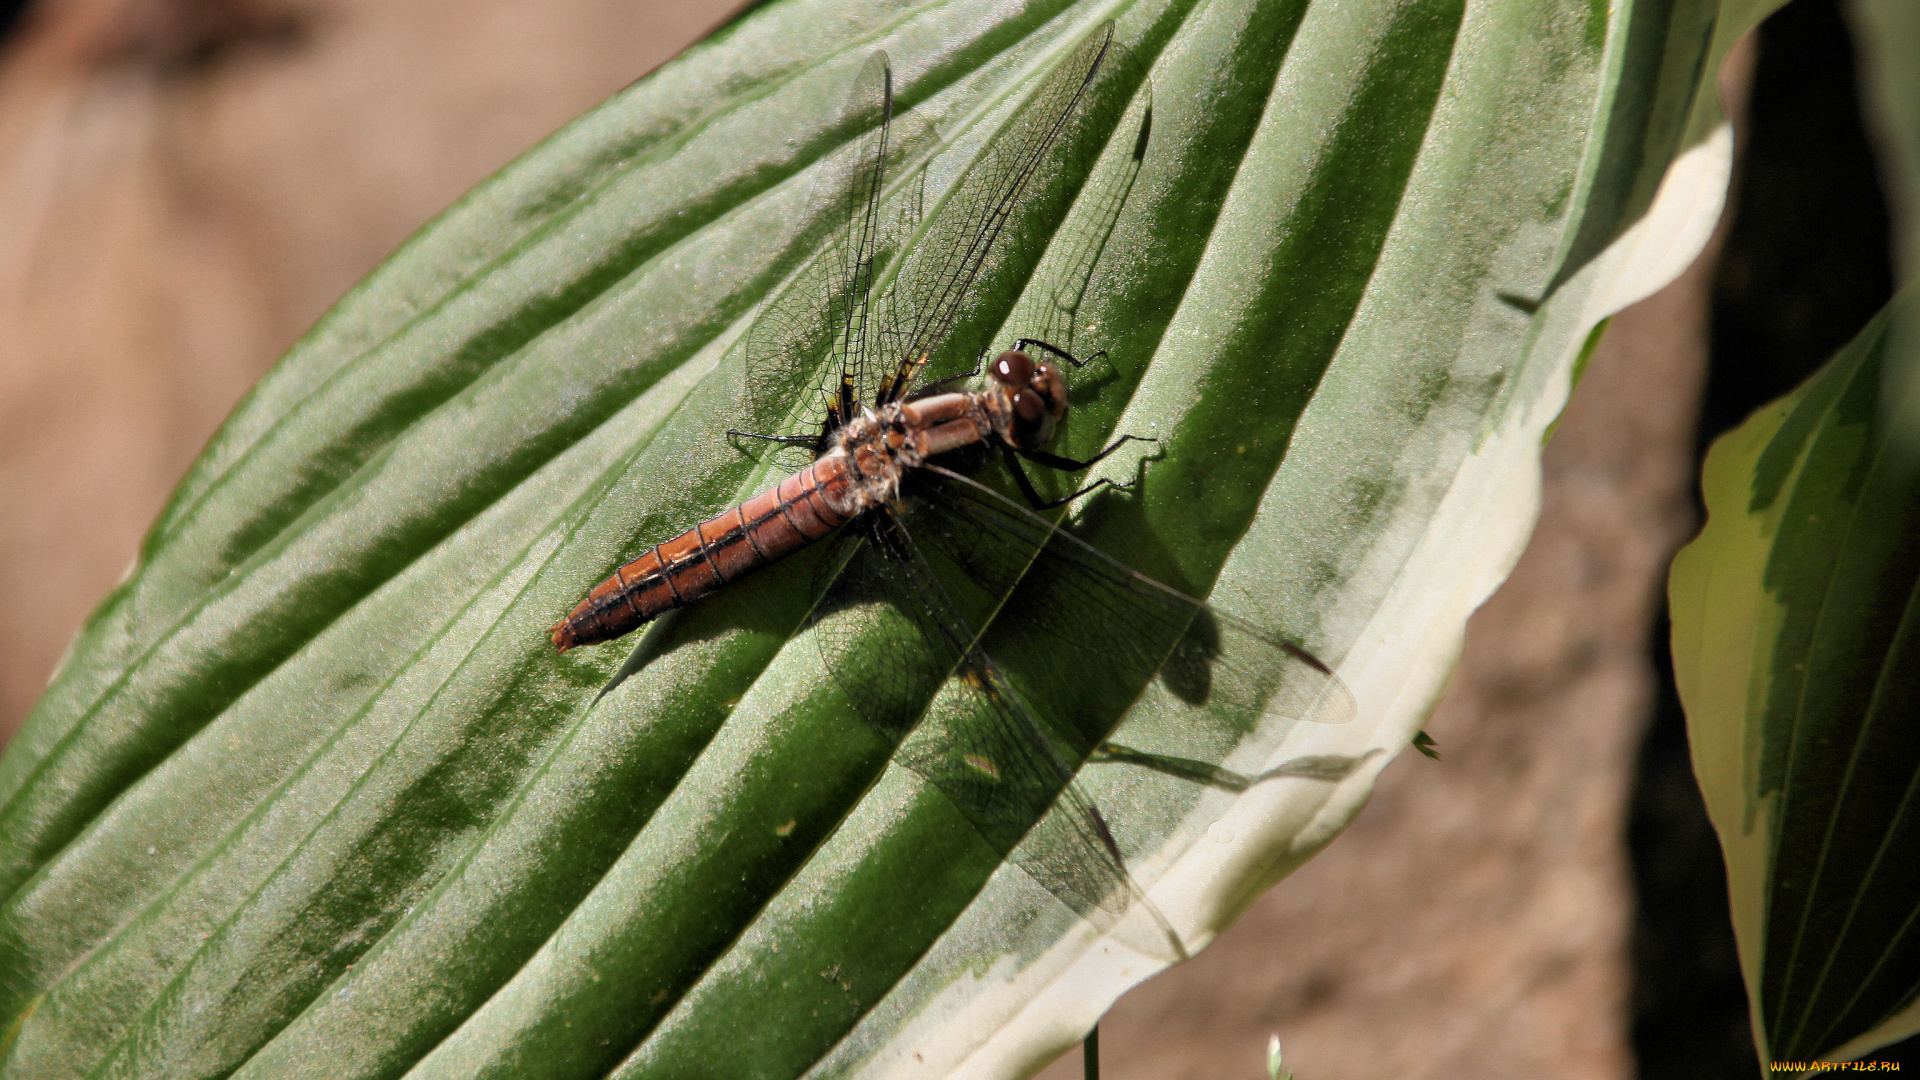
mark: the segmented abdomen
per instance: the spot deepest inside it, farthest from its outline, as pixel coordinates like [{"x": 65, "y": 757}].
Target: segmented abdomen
[{"x": 773, "y": 524}]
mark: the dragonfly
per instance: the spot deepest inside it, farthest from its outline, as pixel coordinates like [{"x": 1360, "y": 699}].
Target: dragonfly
[{"x": 925, "y": 555}]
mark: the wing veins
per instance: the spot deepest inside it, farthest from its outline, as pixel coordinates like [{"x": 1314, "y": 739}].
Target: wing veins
[
  {"x": 935, "y": 296},
  {"x": 1331, "y": 702},
  {"x": 1027, "y": 769}
]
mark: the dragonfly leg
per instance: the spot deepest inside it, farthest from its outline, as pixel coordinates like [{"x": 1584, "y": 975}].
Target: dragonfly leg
[
  {"x": 1059, "y": 352},
  {"x": 933, "y": 387},
  {"x": 1033, "y": 496},
  {"x": 1055, "y": 461},
  {"x": 784, "y": 440}
]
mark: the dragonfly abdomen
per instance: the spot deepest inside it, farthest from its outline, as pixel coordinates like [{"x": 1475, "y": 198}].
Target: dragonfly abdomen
[
  {"x": 674, "y": 573},
  {"x": 862, "y": 471}
]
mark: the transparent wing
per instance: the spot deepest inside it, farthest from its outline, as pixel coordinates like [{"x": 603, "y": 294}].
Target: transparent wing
[
  {"x": 930, "y": 292},
  {"x": 1076, "y": 637},
  {"x": 800, "y": 348},
  {"x": 1049, "y": 309},
  {"x": 1073, "y": 610},
  {"x": 894, "y": 632}
]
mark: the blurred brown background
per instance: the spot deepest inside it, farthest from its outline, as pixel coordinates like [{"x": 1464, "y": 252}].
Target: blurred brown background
[{"x": 185, "y": 185}]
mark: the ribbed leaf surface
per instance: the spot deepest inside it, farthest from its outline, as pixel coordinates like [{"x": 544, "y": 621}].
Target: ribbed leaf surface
[
  {"x": 313, "y": 795},
  {"x": 1797, "y": 644}
]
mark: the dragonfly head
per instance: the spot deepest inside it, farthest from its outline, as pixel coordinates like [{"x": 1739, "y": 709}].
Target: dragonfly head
[{"x": 1026, "y": 400}]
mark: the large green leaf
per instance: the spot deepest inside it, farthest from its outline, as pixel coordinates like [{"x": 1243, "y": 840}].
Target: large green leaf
[
  {"x": 1795, "y": 645},
  {"x": 313, "y": 794}
]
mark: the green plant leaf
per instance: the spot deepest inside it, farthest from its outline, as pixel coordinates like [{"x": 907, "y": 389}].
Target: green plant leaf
[
  {"x": 312, "y": 793},
  {"x": 1795, "y": 646},
  {"x": 1887, "y": 35}
]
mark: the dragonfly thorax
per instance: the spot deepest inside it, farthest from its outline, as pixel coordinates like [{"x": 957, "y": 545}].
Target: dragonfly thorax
[
  {"x": 1020, "y": 407},
  {"x": 881, "y": 445}
]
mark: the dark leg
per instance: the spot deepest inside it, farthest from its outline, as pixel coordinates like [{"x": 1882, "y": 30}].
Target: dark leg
[
  {"x": 1055, "y": 461},
  {"x": 933, "y": 387},
  {"x": 1090, "y": 1051},
  {"x": 784, "y": 440},
  {"x": 1059, "y": 352},
  {"x": 1033, "y": 496}
]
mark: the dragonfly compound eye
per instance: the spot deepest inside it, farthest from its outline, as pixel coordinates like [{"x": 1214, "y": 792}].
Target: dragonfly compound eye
[
  {"x": 1032, "y": 420},
  {"x": 1012, "y": 368},
  {"x": 1052, "y": 386}
]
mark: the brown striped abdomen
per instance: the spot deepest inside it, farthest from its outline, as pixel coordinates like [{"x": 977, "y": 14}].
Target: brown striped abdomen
[{"x": 775, "y": 523}]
